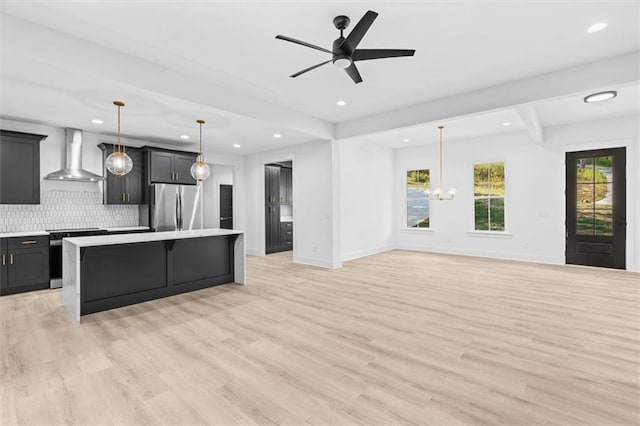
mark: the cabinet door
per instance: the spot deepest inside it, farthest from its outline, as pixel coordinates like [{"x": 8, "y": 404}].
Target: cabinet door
[
  {"x": 197, "y": 259},
  {"x": 273, "y": 228},
  {"x": 161, "y": 167},
  {"x": 285, "y": 185},
  {"x": 4, "y": 264},
  {"x": 182, "y": 168},
  {"x": 28, "y": 267},
  {"x": 114, "y": 189},
  {"x": 134, "y": 182},
  {"x": 19, "y": 168},
  {"x": 272, "y": 184}
]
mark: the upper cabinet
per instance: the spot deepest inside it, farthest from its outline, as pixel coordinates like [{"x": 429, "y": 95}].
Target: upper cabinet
[
  {"x": 170, "y": 167},
  {"x": 286, "y": 185},
  {"x": 19, "y": 167},
  {"x": 127, "y": 189}
]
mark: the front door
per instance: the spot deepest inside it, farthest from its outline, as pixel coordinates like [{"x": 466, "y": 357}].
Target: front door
[
  {"x": 226, "y": 206},
  {"x": 596, "y": 208}
]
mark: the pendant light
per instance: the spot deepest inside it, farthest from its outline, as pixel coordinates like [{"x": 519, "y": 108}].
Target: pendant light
[
  {"x": 437, "y": 194},
  {"x": 200, "y": 170},
  {"x": 118, "y": 162}
]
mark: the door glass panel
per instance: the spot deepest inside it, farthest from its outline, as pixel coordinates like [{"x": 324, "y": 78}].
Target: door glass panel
[
  {"x": 594, "y": 190},
  {"x": 584, "y": 222}
]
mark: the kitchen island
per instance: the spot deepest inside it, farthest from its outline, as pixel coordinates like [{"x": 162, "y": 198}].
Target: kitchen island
[{"x": 109, "y": 271}]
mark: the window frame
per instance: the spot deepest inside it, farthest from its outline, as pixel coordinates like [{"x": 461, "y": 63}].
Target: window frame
[
  {"x": 405, "y": 204},
  {"x": 504, "y": 202}
]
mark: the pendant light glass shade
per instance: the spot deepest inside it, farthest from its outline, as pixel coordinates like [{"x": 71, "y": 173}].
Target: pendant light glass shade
[
  {"x": 118, "y": 162},
  {"x": 200, "y": 170}
]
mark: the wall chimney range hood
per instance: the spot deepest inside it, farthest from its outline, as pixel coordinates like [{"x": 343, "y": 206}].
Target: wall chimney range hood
[{"x": 72, "y": 166}]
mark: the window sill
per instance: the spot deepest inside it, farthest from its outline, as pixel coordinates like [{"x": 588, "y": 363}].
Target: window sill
[
  {"x": 490, "y": 234},
  {"x": 417, "y": 230}
]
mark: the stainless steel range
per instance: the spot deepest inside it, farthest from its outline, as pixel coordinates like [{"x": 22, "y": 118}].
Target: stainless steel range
[{"x": 55, "y": 249}]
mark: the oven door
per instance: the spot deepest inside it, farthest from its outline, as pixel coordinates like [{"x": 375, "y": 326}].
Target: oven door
[{"x": 55, "y": 263}]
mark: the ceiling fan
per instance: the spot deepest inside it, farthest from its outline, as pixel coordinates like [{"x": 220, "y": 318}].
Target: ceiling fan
[{"x": 345, "y": 53}]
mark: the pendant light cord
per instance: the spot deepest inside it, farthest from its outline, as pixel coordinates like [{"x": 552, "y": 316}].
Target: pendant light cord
[
  {"x": 118, "y": 147},
  {"x": 200, "y": 155}
]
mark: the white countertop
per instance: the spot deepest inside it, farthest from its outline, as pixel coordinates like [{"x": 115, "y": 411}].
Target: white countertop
[
  {"x": 24, "y": 234},
  {"x": 286, "y": 219},
  {"x": 127, "y": 228},
  {"x": 105, "y": 240}
]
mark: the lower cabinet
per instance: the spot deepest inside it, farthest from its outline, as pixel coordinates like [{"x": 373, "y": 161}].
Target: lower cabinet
[
  {"x": 124, "y": 274},
  {"x": 24, "y": 264},
  {"x": 279, "y": 235}
]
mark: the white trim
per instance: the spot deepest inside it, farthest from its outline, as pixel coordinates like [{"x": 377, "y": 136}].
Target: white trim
[
  {"x": 253, "y": 252},
  {"x": 317, "y": 262},
  {"x": 365, "y": 253},
  {"x": 417, "y": 230},
  {"x": 490, "y": 234},
  {"x": 514, "y": 256}
]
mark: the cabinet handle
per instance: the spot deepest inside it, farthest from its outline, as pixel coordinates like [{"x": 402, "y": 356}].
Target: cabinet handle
[
  {"x": 123, "y": 197},
  {"x": 11, "y": 259},
  {"x": 4, "y": 259},
  {"x": 177, "y": 176},
  {"x": 29, "y": 242},
  {"x": 128, "y": 197}
]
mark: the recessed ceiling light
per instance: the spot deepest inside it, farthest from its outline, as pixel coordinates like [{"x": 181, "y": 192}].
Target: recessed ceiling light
[
  {"x": 277, "y": 135},
  {"x": 506, "y": 124},
  {"x": 341, "y": 102},
  {"x": 184, "y": 136},
  {"x": 599, "y": 26},
  {"x": 406, "y": 140},
  {"x": 600, "y": 96},
  {"x": 97, "y": 121},
  {"x": 236, "y": 145}
]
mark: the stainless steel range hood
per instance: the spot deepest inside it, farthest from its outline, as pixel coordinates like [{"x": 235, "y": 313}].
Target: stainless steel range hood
[{"x": 72, "y": 166}]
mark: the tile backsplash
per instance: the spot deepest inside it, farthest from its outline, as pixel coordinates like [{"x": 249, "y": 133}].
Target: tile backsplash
[{"x": 65, "y": 209}]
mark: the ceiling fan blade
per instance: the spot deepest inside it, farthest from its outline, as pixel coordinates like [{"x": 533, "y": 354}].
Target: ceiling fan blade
[
  {"x": 357, "y": 33},
  {"x": 367, "y": 54},
  {"x": 309, "y": 69},
  {"x": 354, "y": 73},
  {"x": 303, "y": 43}
]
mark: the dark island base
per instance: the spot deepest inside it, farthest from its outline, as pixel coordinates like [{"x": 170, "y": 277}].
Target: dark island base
[{"x": 113, "y": 276}]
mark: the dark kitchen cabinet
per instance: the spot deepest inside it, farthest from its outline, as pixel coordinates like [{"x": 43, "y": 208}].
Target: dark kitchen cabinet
[
  {"x": 25, "y": 264},
  {"x": 127, "y": 189},
  {"x": 19, "y": 167},
  {"x": 272, "y": 184},
  {"x": 272, "y": 228},
  {"x": 286, "y": 180},
  {"x": 170, "y": 167},
  {"x": 191, "y": 259},
  {"x": 278, "y": 185}
]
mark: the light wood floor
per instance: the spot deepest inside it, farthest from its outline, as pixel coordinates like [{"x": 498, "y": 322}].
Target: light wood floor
[{"x": 395, "y": 338}]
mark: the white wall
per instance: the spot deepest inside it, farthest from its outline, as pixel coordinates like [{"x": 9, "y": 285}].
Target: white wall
[
  {"x": 220, "y": 175},
  {"x": 535, "y": 183},
  {"x": 366, "y": 198},
  {"x": 313, "y": 202}
]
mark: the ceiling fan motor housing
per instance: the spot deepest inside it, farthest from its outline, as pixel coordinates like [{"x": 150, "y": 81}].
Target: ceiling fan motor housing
[{"x": 341, "y": 58}]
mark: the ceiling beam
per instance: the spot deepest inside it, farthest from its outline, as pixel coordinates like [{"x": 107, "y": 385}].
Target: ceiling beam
[
  {"x": 609, "y": 73},
  {"x": 187, "y": 83},
  {"x": 529, "y": 117}
]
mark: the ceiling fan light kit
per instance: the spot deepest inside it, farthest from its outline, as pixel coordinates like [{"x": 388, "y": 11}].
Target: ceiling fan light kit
[{"x": 344, "y": 53}]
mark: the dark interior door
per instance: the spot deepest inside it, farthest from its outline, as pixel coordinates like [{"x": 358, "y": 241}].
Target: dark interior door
[
  {"x": 596, "y": 208},
  {"x": 226, "y": 206}
]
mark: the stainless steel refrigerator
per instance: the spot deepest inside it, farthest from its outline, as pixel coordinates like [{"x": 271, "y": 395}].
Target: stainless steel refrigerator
[{"x": 174, "y": 207}]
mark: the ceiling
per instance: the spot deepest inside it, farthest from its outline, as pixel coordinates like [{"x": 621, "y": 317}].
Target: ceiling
[{"x": 64, "y": 62}]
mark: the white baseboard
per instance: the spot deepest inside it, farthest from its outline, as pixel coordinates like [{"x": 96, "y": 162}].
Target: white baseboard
[
  {"x": 488, "y": 254},
  {"x": 317, "y": 262},
  {"x": 251, "y": 252},
  {"x": 363, "y": 253}
]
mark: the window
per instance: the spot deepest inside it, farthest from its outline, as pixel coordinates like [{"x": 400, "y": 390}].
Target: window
[
  {"x": 488, "y": 190},
  {"x": 417, "y": 201}
]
